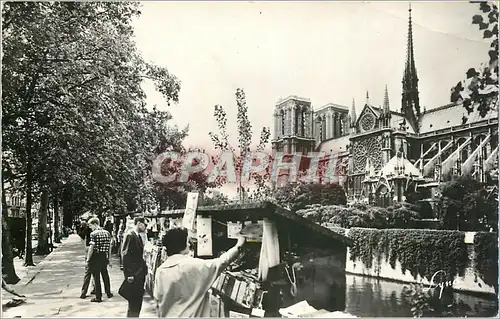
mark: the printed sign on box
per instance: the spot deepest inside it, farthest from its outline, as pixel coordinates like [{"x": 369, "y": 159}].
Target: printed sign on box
[
  {"x": 204, "y": 236},
  {"x": 188, "y": 220}
]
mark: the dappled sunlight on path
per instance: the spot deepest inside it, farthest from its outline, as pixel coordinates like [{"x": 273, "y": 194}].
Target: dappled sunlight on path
[{"x": 55, "y": 289}]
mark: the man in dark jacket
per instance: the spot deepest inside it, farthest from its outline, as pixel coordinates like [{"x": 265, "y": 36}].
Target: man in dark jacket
[{"x": 134, "y": 266}]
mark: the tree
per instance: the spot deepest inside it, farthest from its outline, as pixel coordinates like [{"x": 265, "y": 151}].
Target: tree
[
  {"x": 222, "y": 143},
  {"x": 43, "y": 232},
  {"x": 8, "y": 269},
  {"x": 298, "y": 196},
  {"x": 72, "y": 126},
  {"x": 218, "y": 199},
  {"x": 464, "y": 204},
  {"x": 402, "y": 215},
  {"x": 480, "y": 89}
]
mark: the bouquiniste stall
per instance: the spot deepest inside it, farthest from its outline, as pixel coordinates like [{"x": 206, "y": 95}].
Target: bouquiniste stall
[{"x": 288, "y": 260}]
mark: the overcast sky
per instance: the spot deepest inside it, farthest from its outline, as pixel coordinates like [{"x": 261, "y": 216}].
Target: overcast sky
[{"x": 325, "y": 51}]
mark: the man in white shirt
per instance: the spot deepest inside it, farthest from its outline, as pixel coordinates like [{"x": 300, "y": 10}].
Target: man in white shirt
[{"x": 182, "y": 282}]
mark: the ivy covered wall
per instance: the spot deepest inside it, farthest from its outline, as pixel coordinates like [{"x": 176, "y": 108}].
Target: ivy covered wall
[{"x": 415, "y": 255}]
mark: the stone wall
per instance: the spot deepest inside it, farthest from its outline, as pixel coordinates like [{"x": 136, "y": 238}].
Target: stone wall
[{"x": 470, "y": 282}]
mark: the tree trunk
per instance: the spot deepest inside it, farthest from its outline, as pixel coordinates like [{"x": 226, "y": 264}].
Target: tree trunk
[
  {"x": 8, "y": 269},
  {"x": 67, "y": 214},
  {"x": 28, "y": 259},
  {"x": 43, "y": 238},
  {"x": 57, "y": 234}
]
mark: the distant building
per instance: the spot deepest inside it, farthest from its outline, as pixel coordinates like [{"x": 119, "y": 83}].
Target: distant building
[
  {"x": 16, "y": 201},
  {"x": 382, "y": 154}
]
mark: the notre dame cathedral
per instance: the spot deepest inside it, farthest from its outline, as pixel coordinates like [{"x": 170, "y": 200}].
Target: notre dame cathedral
[{"x": 382, "y": 155}]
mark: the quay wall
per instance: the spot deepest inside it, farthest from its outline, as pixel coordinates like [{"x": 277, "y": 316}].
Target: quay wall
[{"x": 471, "y": 277}]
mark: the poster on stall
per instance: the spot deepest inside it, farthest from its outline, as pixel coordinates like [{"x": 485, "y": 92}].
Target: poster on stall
[
  {"x": 190, "y": 212},
  {"x": 233, "y": 229},
  {"x": 204, "y": 236}
]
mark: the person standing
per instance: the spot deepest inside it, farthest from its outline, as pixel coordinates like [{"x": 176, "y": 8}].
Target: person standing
[
  {"x": 134, "y": 265},
  {"x": 98, "y": 258},
  {"x": 84, "y": 233},
  {"x": 182, "y": 282},
  {"x": 121, "y": 234}
]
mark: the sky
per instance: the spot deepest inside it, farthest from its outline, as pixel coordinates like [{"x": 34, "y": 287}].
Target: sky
[{"x": 329, "y": 52}]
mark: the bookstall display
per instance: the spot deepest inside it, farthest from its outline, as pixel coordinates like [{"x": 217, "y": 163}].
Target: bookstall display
[{"x": 287, "y": 259}]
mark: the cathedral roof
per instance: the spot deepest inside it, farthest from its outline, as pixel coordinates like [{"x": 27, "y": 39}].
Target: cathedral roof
[
  {"x": 332, "y": 105},
  {"x": 450, "y": 115},
  {"x": 396, "y": 117},
  {"x": 406, "y": 167},
  {"x": 336, "y": 145}
]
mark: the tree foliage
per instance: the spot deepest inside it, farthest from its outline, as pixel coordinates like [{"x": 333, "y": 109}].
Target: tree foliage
[
  {"x": 464, "y": 204},
  {"x": 74, "y": 122},
  {"x": 480, "y": 89},
  {"x": 298, "y": 196},
  {"x": 244, "y": 136},
  {"x": 218, "y": 199},
  {"x": 432, "y": 302},
  {"x": 361, "y": 215}
]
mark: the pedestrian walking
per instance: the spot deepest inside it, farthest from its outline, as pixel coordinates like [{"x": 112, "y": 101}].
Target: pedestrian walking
[
  {"x": 134, "y": 267},
  {"x": 121, "y": 234},
  {"x": 182, "y": 282},
  {"x": 84, "y": 233},
  {"x": 98, "y": 259}
]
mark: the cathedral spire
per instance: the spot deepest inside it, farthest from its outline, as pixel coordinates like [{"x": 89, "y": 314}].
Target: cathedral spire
[
  {"x": 367, "y": 98},
  {"x": 386, "y": 101},
  {"x": 410, "y": 105},
  {"x": 353, "y": 113}
]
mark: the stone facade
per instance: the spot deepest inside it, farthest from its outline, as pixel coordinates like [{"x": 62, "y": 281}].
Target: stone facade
[{"x": 382, "y": 154}]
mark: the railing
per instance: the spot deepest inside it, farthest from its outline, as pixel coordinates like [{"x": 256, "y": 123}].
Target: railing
[{"x": 459, "y": 127}]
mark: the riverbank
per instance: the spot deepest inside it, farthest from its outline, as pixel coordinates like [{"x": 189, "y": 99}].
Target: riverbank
[
  {"x": 430, "y": 257},
  {"x": 371, "y": 297}
]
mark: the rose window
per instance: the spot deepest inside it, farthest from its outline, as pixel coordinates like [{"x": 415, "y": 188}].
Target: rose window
[
  {"x": 368, "y": 148},
  {"x": 367, "y": 122}
]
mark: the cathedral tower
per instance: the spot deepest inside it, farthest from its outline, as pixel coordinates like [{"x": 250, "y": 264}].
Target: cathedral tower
[
  {"x": 410, "y": 104},
  {"x": 293, "y": 126}
]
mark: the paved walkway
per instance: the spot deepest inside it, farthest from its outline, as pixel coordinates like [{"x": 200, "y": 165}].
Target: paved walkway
[{"x": 53, "y": 288}]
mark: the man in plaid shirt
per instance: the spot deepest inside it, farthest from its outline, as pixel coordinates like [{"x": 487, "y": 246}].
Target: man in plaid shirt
[{"x": 98, "y": 258}]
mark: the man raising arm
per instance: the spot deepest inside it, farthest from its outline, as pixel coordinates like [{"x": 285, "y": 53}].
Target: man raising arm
[{"x": 182, "y": 282}]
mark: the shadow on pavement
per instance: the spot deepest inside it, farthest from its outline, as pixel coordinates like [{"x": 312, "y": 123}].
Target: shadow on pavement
[{"x": 55, "y": 290}]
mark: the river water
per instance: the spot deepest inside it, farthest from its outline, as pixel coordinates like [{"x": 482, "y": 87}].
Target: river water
[{"x": 369, "y": 297}]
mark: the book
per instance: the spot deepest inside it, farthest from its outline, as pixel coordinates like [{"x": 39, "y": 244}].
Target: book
[
  {"x": 252, "y": 232},
  {"x": 236, "y": 288},
  {"x": 249, "y": 295},
  {"x": 216, "y": 282},
  {"x": 223, "y": 282},
  {"x": 234, "y": 314},
  {"x": 241, "y": 292},
  {"x": 228, "y": 289}
]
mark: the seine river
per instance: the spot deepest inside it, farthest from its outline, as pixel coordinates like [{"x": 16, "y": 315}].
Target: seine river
[{"x": 369, "y": 297}]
